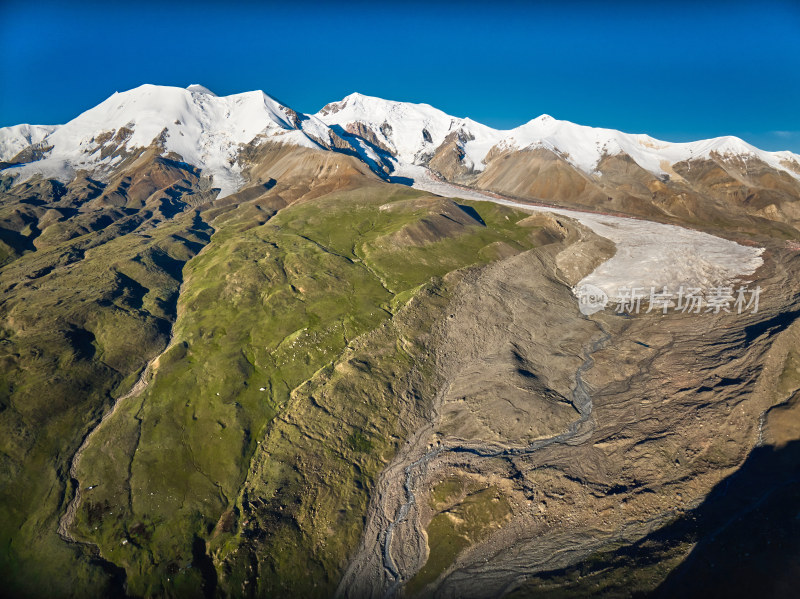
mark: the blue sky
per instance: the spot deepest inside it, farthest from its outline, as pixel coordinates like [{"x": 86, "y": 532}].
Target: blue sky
[{"x": 678, "y": 71}]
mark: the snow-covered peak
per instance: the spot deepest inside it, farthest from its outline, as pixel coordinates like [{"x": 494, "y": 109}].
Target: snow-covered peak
[
  {"x": 413, "y": 132},
  {"x": 409, "y": 131},
  {"x": 205, "y": 130},
  {"x": 15, "y": 139},
  {"x": 200, "y": 89},
  {"x": 584, "y": 146}
]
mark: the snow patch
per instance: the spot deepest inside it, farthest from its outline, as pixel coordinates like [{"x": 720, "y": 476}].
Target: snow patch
[{"x": 15, "y": 139}]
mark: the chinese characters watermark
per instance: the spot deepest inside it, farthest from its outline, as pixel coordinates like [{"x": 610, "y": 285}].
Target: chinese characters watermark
[{"x": 686, "y": 300}]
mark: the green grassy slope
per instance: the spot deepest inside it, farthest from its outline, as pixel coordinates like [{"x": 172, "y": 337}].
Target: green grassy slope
[
  {"x": 265, "y": 313},
  {"x": 80, "y": 319}
]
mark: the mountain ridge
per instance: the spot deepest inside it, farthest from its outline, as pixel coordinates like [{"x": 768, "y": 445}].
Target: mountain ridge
[{"x": 408, "y": 132}]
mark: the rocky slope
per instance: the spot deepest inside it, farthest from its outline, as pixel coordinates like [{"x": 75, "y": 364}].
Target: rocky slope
[{"x": 658, "y": 420}]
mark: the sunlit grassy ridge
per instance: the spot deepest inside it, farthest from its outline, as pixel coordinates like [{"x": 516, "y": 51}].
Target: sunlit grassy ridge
[{"x": 262, "y": 310}]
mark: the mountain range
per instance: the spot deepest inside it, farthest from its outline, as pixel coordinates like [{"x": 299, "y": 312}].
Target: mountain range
[
  {"x": 543, "y": 159},
  {"x": 251, "y": 352}
]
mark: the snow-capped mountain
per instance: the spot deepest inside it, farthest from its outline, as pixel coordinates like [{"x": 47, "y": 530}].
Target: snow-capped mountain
[
  {"x": 197, "y": 127},
  {"x": 412, "y": 134},
  {"x": 194, "y": 124}
]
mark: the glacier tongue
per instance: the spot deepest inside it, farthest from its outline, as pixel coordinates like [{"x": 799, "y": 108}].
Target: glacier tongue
[{"x": 648, "y": 254}]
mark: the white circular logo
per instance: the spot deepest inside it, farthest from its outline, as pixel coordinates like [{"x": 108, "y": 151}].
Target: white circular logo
[{"x": 591, "y": 299}]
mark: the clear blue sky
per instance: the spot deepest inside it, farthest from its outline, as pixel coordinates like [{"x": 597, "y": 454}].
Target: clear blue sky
[{"x": 675, "y": 70}]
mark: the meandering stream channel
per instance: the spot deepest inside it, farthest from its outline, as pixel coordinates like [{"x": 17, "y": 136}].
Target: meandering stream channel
[{"x": 582, "y": 401}]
